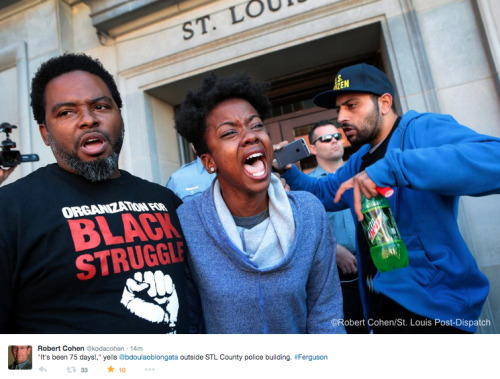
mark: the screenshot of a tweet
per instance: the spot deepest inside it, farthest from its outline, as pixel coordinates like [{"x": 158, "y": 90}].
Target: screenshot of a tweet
[{"x": 294, "y": 356}]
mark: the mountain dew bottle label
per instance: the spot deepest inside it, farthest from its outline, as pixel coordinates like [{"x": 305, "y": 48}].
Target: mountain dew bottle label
[{"x": 387, "y": 249}]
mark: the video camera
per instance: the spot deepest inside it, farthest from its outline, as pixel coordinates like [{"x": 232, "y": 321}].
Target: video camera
[{"x": 9, "y": 157}]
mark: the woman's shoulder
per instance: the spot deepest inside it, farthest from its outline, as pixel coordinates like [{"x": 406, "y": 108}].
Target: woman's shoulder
[
  {"x": 191, "y": 208},
  {"x": 188, "y": 206},
  {"x": 303, "y": 196},
  {"x": 309, "y": 214},
  {"x": 305, "y": 201}
]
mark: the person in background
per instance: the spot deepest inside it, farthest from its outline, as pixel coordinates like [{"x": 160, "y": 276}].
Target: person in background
[
  {"x": 325, "y": 142},
  {"x": 430, "y": 160},
  {"x": 263, "y": 260},
  {"x": 190, "y": 180}
]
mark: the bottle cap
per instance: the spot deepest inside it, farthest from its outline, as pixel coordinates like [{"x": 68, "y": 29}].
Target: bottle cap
[{"x": 385, "y": 191}]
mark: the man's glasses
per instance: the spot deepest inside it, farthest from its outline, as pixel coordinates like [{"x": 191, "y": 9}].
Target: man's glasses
[{"x": 328, "y": 137}]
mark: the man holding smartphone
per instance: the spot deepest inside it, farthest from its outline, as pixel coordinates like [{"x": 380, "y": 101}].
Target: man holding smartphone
[{"x": 442, "y": 289}]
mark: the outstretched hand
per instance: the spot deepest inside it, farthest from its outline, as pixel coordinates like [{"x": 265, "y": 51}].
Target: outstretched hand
[{"x": 361, "y": 183}]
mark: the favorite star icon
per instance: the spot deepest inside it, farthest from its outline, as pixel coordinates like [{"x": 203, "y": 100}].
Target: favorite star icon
[{"x": 111, "y": 369}]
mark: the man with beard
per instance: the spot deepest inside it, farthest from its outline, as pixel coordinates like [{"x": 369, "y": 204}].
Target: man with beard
[
  {"x": 84, "y": 246},
  {"x": 430, "y": 160}
]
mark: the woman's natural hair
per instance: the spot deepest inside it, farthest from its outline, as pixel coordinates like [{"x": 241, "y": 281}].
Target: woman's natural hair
[
  {"x": 63, "y": 64},
  {"x": 190, "y": 119}
]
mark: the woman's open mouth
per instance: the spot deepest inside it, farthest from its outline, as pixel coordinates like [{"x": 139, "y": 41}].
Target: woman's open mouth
[{"x": 255, "y": 165}]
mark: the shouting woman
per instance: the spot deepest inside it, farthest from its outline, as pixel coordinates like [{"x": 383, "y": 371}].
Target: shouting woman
[{"x": 262, "y": 259}]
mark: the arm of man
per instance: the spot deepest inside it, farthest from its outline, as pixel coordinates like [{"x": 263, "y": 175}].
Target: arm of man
[
  {"x": 323, "y": 188},
  {"x": 446, "y": 158},
  {"x": 439, "y": 156}
]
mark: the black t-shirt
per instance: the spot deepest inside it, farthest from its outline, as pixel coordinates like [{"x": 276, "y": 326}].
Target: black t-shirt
[
  {"x": 82, "y": 257},
  {"x": 368, "y": 269}
]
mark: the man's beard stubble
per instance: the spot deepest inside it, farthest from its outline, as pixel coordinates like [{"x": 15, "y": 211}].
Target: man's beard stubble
[
  {"x": 97, "y": 170},
  {"x": 369, "y": 128}
]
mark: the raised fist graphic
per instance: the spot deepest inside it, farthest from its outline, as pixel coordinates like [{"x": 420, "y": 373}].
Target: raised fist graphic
[{"x": 152, "y": 296}]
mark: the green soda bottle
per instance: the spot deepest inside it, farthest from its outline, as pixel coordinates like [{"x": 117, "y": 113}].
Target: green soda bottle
[{"x": 387, "y": 249}]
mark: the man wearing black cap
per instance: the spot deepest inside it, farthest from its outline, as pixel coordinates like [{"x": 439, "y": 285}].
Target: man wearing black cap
[{"x": 430, "y": 160}]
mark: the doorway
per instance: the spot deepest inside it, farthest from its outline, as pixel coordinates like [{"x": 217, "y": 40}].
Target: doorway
[{"x": 296, "y": 75}]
